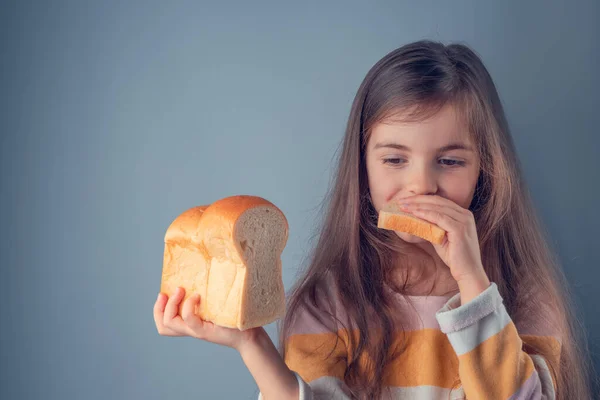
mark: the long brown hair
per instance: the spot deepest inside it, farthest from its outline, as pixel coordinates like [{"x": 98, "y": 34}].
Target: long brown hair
[{"x": 357, "y": 258}]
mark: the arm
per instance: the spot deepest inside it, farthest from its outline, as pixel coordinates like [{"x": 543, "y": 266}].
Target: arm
[
  {"x": 254, "y": 345},
  {"x": 315, "y": 358},
  {"x": 492, "y": 363},
  {"x": 273, "y": 377},
  {"x": 316, "y": 351}
]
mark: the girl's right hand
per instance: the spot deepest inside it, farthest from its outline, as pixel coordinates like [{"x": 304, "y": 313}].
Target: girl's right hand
[{"x": 169, "y": 323}]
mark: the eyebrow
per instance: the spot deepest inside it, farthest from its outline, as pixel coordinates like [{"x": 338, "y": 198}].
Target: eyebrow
[{"x": 451, "y": 146}]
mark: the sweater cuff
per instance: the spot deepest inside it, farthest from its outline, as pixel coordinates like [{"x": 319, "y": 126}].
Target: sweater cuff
[
  {"x": 469, "y": 325},
  {"x": 453, "y": 317}
]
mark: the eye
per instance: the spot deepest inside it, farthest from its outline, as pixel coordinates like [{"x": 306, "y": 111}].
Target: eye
[
  {"x": 452, "y": 163},
  {"x": 394, "y": 161},
  {"x": 444, "y": 161}
]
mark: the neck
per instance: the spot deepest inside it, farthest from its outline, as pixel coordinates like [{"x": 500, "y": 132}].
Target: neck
[
  {"x": 422, "y": 270},
  {"x": 421, "y": 253}
]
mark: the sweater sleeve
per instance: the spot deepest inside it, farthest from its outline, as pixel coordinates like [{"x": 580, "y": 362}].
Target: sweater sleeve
[{"x": 492, "y": 364}]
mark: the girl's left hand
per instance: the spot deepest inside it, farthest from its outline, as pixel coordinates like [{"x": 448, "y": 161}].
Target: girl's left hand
[{"x": 460, "y": 249}]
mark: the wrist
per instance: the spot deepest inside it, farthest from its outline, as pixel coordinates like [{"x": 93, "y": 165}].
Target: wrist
[
  {"x": 478, "y": 275},
  {"x": 471, "y": 287},
  {"x": 251, "y": 338},
  {"x": 273, "y": 377}
]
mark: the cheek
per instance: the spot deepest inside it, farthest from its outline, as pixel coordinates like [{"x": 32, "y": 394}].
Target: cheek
[
  {"x": 379, "y": 185},
  {"x": 382, "y": 190},
  {"x": 460, "y": 192}
]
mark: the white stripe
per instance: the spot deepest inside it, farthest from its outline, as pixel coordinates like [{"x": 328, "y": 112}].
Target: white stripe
[{"x": 331, "y": 388}]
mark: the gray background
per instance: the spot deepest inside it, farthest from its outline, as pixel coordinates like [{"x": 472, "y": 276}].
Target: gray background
[{"x": 117, "y": 116}]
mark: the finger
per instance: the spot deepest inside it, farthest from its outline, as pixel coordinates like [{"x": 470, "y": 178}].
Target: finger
[
  {"x": 450, "y": 212},
  {"x": 440, "y": 219},
  {"x": 188, "y": 314},
  {"x": 177, "y": 326},
  {"x": 172, "y": 307},
  {"x": 161, "y": 302},
  {"x": 159, "y": 308},
  {"x": 429, "y": 199},
  {"x": 171, "y": 318}
]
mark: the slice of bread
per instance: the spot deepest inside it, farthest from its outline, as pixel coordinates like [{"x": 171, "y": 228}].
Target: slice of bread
[
  {"x": 391, "y": 217},
  {"x": 229, "y": 252}
]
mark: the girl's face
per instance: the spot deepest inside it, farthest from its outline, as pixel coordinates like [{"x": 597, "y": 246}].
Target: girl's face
[{"x": 431, "y": 157}]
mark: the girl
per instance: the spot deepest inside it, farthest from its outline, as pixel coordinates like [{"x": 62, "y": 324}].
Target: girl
[{"x": 383, "y": 314}]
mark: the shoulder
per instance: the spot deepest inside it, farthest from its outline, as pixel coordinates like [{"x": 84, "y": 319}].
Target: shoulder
[{"x": 318, "y": 312}]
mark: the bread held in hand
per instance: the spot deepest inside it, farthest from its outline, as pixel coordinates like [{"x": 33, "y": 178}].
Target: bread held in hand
[
  {"x": 229, "y": 252},
  {"x": 392, "y": 218}
]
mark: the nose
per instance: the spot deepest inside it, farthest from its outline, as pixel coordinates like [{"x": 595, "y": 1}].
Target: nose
[{"x": 422, "y": 181}]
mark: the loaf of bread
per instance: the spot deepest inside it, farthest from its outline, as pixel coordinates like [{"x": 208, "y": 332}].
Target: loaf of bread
[
  {"x": 393, "y": 218},
  {"x": 229, "y": 252}
]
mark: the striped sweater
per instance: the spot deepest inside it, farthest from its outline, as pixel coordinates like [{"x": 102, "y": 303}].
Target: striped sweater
[{"x": 452, "y": 351}]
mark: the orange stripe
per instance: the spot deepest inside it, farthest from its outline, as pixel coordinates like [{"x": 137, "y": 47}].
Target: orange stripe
[
  {"x": 496, "y": 368},
  {"x": 428, "y": 359},
  {"x": 311, "y": 356}
]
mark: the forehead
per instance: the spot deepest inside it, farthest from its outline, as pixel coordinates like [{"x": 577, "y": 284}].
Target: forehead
[{"x": 444, "y": 126}]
